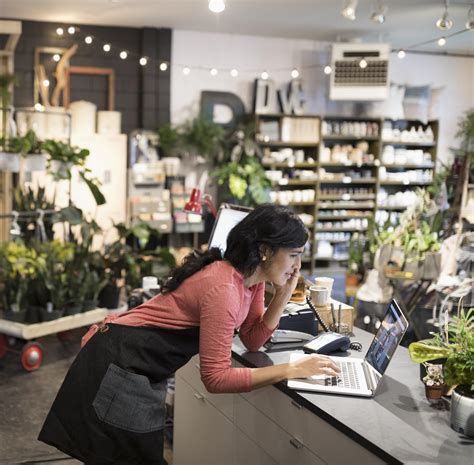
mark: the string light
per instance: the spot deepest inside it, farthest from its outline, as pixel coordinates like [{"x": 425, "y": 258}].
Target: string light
[
  {"x": 143, "y": 61},
  {"x": 295, "y": 73},
  {"x": 445, "y": 22},
  {"x": 213, "y": 72},
  {"x": 56, "y": 57},
  {"x": 123, "y": 54},
  {"x": 234, "y": 73},
  {"x": 163, "y": 66},
  {"x": 71, "y": 30},
  {"x": 106, "y": 47},
  {"x": 265, "y": 75},
  {"x": 442, "y": 41},
  {"x": 59, "y": 31},
  {"x": 327, "y": 69},
  {"x": 363, "y": 63},
  {"x": 39, "y": 107},
  {"x": 46, "y": 82},
  {"x": 216, "y": 6},
  {"x": 186, "y": 71},
  {"x": 88, "y": 40}
]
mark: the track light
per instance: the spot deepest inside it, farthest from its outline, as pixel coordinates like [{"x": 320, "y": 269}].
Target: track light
[
  {"x": 378, "y": 16},
  {"x": 349, "y": 9},
  {"x": 470, "y": 18},
  {"x": 216, "y": 6},
  {"x": 444, "y": 23}
]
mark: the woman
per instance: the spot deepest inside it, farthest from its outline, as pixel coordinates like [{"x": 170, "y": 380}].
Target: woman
[{"x": 110, "y": 408}]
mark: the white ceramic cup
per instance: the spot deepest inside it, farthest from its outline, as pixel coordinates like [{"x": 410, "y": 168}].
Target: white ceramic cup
[
  {"x": 325, "y": 282},
  {"x": 319, "y": 295}
]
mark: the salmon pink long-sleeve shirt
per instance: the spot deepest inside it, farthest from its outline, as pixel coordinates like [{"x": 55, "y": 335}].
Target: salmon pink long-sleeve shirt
[{"x": 215, "y": 300}]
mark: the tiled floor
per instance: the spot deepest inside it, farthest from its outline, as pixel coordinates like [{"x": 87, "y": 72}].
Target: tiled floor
[{"x": 25, "y": 399}]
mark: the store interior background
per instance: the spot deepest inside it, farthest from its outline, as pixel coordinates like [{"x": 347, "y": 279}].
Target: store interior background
[{"x": 148, "y": 98}]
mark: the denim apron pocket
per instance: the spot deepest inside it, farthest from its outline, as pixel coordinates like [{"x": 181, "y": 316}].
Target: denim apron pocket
[{"x": 129, "y": 401}]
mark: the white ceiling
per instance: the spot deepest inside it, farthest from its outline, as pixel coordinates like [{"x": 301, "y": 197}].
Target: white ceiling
[{"x": 408, "y": 22}]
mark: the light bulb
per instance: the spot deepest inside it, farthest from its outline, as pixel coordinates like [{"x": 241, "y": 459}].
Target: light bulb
[
  {"x": 295, "y": 73},
  {"x": 363, "y": 63},
  {"x": 186, "y": 71},
  {"x": 213, "y": 72},
  {"x": 46, "y": 82},
  {"x": 143, "y": 61},
  {"x": 59, "y": 31},
  {"x": 216, "y": 6},
  {"x": 39, "y": 107},
  {"x": 401, "y": 54},
  {"x": 234, "y": 72},
  {"x": 327, "y": 69},
  {"x": 106, "y": 47},
  {"x": 88, "y": 40},
  {"x": 71, "y": 30},
  {"x": 56, "y": 57},
  {"x": 163, "y": 66},
  {"x": 123, "y": 54},
  {"x": 442, "y": 41},
  {"x": 265, "y": 75},
  {"x": 349, "y": 10}
]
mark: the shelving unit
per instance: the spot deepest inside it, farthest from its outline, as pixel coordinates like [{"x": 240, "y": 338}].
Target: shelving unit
[{"x": 345, "y": 175}]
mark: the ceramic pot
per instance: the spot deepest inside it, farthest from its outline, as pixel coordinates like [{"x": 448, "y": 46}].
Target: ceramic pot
[
  {"x": 434, "y": 393},
  {"x": 462, "y": 411}
]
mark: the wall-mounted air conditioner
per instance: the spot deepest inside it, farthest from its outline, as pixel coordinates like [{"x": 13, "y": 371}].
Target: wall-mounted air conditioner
[{"x": 350, "y": 80}]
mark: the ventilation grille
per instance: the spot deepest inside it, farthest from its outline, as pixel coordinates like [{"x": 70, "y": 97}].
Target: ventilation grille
[{"x": 350, "y": 73}]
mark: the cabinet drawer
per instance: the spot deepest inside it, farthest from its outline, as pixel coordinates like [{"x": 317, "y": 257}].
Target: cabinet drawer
[
  {"x": 276, "y": 442},
  {"x": 190, "y": 373},
  {"x": 317, "y": 434}
]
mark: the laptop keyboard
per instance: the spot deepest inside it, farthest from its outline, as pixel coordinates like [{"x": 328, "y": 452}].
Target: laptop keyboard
[{"x": 348, "y": 377}]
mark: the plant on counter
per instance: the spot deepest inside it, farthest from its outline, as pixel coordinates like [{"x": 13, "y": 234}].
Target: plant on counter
[
  {"x": 67, "y": 157},
  {"x": 241, "y": 176},
  {"x": 455, "y": 343}
]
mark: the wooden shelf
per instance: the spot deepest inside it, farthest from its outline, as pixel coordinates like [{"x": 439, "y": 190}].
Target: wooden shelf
[
  {"x": 352, "y": 197},
  {"x": 341, "y": 217},
  {"x": 352, "y": 181},
  {"x": 381, "y": 207},
  {"x": 289, "y": 165},
  {"x": 411, "y": 183},
  {"x": 345, "y": 206},
  {"x": 347, "y": 165},
  {"x": 295, "y": 182},
  {"x": 349, "y": 137},
  {"x": 411, "y": 144},
  {"x": 410, "y": 166},
  {"x": 280, "y": 143}
]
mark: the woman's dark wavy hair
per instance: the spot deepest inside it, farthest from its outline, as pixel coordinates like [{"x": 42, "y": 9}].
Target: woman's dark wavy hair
[{"x": 267, "y": 225}]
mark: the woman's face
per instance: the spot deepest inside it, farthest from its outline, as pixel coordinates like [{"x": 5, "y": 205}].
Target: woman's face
[{"x": 282, "y": 264}]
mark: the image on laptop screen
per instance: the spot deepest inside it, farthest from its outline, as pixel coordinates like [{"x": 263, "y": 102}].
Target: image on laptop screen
[
  {"x": 227, "y": 218},
  {"x": 386, "y": 340}
]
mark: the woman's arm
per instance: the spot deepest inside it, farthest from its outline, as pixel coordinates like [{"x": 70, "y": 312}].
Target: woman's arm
[{"x": 301, "y": 368}]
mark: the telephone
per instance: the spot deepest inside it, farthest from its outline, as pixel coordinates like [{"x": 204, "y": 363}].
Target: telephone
[
  {"x": 285, "y": 339},
  {"x": 328, "y": 342}
]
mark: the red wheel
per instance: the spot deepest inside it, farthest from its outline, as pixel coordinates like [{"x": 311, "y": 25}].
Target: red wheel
[
  {"x": 3, "y": 345},
  {"x": 31, "y": 356}
]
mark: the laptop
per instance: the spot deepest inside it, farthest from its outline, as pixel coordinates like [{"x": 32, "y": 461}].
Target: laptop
[
  {"x": 227, "y": 217},
  {"x": 361, "y": 377}
]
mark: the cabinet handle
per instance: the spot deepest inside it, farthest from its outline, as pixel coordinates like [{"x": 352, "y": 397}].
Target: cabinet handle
[
  {"x": 294, "y": 403},
  {"x": 199, "y": 396},
  {"x": 295, "y": 443}
]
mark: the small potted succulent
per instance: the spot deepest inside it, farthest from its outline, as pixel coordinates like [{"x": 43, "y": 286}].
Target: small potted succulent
[{"x": 434, "y": 381}]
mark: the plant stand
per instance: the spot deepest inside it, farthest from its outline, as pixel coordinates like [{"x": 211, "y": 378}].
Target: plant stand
[{"x": 31, "y": 355}]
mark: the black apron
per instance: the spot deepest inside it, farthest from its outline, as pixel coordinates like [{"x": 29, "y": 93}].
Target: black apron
[{"x": 110, "y": 408}]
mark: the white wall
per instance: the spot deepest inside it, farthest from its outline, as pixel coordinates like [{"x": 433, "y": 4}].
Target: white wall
[{"x": 251, "y": 55}]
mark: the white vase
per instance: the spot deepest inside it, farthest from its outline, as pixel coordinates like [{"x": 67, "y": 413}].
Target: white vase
[{"x": 462, "y": 413}]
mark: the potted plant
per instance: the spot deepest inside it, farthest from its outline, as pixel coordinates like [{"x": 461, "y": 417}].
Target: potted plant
[
  {"x": 355, "y": 265},
  {"x": 434, "y": 381},
  {"x": 63, "y": 157},
  {"x": 19, "y": 266},
  {"x": 241, "y": 176},
  {"x": 455, "y": 343}
]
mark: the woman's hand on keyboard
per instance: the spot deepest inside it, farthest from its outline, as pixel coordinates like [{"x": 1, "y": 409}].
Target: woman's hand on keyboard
[{"x": 312, "y": 365}]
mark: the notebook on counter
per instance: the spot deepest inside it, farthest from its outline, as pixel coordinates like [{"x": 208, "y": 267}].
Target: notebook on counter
[{"x": 361, "y": 377}]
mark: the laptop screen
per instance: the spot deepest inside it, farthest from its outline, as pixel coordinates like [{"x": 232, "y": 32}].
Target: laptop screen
[
  {"x": 227, "y": 217},
  {"x": 387, "y": 339}
]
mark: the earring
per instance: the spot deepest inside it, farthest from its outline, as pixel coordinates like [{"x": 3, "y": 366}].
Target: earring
[{"x": 264, "y": 258}]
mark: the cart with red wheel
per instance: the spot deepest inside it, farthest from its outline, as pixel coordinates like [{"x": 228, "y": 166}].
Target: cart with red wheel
[{"x": 32, "y": 351}]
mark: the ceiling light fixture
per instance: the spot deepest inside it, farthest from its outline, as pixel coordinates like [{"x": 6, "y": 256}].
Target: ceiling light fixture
[
  {"x": 349, "y": 9},
  {"x": 213, "y": 72},
  {"x": 216, "y": 6},
  {"x": 470, "y": 18},
  {"x": 445, "y": 22},
  {"x": 186, "y": 71},
  {"x": 442, "y": 41},
  {"x": 401, "y": 54},
  {"x": 378, "y": 16}
]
